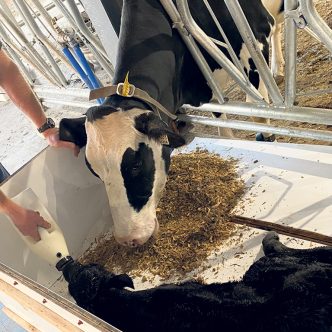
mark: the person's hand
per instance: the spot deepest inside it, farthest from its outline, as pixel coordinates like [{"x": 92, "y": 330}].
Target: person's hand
[
  {"x": 53, "y": 139},
  {"x": 27, "y": 221}
]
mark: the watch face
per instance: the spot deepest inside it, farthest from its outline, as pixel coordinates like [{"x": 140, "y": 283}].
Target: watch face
[{"x": 51, "y": 122}]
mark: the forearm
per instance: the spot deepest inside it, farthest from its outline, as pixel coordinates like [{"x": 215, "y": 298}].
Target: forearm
[{"x": 19, "y": 91}]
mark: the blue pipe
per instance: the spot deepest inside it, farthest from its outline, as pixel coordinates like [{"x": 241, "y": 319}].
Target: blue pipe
[
  {"x": 80, "y": 71},
  {"x": 86, "y": 66}
]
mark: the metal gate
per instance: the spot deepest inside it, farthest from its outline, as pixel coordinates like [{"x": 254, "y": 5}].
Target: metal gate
[{"x": 56, "y": 45}]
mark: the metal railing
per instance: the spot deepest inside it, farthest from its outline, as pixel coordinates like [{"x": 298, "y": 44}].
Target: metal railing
[
  {"x": 49, "y": 58},
  {"x": 298, "y": 14}
]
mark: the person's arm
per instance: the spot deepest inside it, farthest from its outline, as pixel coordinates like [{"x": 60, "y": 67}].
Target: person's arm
[
  {"x": 19, "y": 91},
  {"x": 25, "y": 220}
]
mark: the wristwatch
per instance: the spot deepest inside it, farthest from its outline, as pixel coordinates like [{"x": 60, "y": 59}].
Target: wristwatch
[{"x": 47, "y": 125}]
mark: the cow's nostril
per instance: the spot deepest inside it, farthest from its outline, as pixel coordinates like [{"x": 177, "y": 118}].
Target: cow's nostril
[{"x": 132, "y": 243}]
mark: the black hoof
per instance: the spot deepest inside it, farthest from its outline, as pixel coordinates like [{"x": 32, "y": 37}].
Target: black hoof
[{"x": 261, "y": 138}]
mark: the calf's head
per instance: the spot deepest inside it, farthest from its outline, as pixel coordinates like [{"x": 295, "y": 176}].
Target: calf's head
[{"x": 129, "y": 150}]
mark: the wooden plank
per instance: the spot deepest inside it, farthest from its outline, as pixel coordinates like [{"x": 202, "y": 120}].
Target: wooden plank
[
  {"x": 282, "y": 229},
  {"x": 19, "y": 321},
  {"x": 62, "y": 306},
  {"x": 39, "y": 309}
]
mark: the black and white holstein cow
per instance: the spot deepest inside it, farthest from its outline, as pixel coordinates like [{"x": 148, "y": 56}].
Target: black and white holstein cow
[
  {"x": 123, "y": 136},
  {"x": 287, "y": 290}
]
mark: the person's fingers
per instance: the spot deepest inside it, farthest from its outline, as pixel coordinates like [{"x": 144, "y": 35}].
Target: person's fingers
[
  {"x": 44, "y": 223},
  {"x": 69, "y": 145},
  {"x": 35, "y": 234}
]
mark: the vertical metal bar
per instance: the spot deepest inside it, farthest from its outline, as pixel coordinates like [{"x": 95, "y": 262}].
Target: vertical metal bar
[
  {"x": 33, "y": 64},
  {"x": 108, "y": 67},
  {"x": 18, "y": 61},
  {"x": 232, "y": 54},
  {"x": 194, "y": 50},
  {"x": 76, "y": 21},
  {"x": 249, "y": 39},
  {"x": 316, "y": 23},
  {"x": 84, "y": 29},
  {"x": 34, "y": 28},
  {"x": 6, "y": 8},
  {"x": 29, "y": 49},
  {"x": 44, "y": 13},
  {"x": 211, "y": 48},
  {"x": 290, "y": 53}
]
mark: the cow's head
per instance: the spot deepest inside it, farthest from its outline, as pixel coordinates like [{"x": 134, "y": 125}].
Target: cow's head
[{"x": 130, "y": 152}]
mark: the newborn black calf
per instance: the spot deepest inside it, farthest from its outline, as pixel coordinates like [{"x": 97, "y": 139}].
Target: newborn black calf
[{"x": 286, "y": 290}]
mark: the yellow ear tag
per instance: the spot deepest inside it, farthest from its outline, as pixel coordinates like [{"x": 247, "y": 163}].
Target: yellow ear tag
[
  {"x": 164, "y": 140},
  {"x": 126, "y": 86}
]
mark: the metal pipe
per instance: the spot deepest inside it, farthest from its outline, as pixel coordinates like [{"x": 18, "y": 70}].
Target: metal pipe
[
  {"x": 250, "y": 41},
  {"x": 290, "y": 53},
  {"x": 194, "y": 50},
  {"x": 212, "y": 49},
  {"x": 229, "y": 47},
  {"x": 295, "y": 113},
  {"x": 84, "y": 29},
  {"x": 26, "y": 54},
  {"x": 75, "y": 20},
  {"x": 43, "y": 41},
  {"x": 253, "y": 126},
  {"x": 77, "y": 67},
  {"x": 6, "y": 8},
  {"x": 18, "y": 61},
  {"x": 67, "y": 103},
  {"x": 70, "y": 92},
  {"x": 56, "y": 47},
  {"x": 10, "y": 26},
  {"x": 107, "y": 66},
  {"x": 316, "y": 23},
  {"x": 44, "y": 13}
]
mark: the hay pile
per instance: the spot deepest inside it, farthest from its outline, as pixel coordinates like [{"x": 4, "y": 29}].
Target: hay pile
[{"x": 201, "y": 191}]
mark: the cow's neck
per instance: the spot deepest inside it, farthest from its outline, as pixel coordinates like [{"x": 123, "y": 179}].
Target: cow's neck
[{"x": 153, "y": 54}]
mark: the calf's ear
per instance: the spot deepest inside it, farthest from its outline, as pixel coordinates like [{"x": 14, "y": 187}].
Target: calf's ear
[
  {"x": 152, "y": 126},
  {"x": 73, "y": 130}
]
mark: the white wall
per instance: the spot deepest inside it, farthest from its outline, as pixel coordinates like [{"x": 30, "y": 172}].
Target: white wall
[{"x": 76, "y": 200}]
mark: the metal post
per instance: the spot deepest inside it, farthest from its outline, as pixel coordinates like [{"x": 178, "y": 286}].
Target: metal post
[
  {"x": 249, "y": 39},
  {"x": 44, "y": 13},
  {"x": 18, "y": 61},
  {"x": 6, "y": 8},
  {"x": 78, "y": 24},
  {"x": 31, "y": 51},
  {"x": 81, "y": 29},
  {"x": 108, "y": 67},
  {"x": 27, "y": 55},
  {"x": 193, "y": 48},
  {"x": 290, "y": 53},
  {"x": 228, "y": 45},
  {"x": 43, "y": 41},
  {"x": 212, "y": 49},
  {"x": 84, "y": 29},
  {"x": 316, "y": 23}
]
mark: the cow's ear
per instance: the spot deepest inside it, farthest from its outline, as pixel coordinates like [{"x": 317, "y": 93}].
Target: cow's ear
[
  {"x": 152, "y": 126},
  {"x": 73, "y": 130}
]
